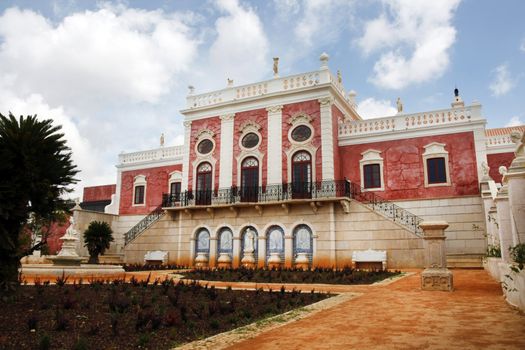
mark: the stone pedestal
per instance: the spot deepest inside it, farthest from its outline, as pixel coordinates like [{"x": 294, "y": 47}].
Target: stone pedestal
[
  {"x": 201, "y": 260},
  {"x": 436, "y": 276},
  {"x": 274, "y": 261},
  {"x": 224, "y": 261},
  {"x": 302, "y": 262},
  {"x": 248, "y": 260}
]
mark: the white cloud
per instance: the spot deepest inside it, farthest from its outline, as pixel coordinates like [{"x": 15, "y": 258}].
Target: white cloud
[
  {"x": 114, "y": 53},
  {"x": 321, "y": 20},
  {"x": 372, "y": 108},
  {"x": 413, "y": 39},
  {"x": 240, "y": 50},
  {"x": 502, "y": 82},
  {"x": 522, "y": 46},
  {"x": 515, "y": 121}
]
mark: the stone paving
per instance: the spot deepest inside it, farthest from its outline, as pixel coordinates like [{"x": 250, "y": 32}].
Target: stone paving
[{"x": 401, "y": 316}]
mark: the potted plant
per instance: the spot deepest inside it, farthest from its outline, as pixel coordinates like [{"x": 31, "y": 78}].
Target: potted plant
[{"x": 97, "y": 239}]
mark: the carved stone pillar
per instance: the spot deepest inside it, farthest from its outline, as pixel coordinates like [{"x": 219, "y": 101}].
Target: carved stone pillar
[
  {"x": 288, "y": 251},
  {"x": 504, "y": 223},
  {"x": 213, "y": 252},
  {"x": 261, "y": 251},
  {"x": 516, "y": 189},
  {"x": 436, "y": 276},
  {"x": 236, "y": 251}
]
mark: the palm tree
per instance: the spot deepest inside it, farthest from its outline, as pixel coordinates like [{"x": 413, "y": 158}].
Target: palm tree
[
  {"x": 35, "y": 171},
  {"x": 97, "y": 238}
]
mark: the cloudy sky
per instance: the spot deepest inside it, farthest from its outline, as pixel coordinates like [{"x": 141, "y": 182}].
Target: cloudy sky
[{"x": 115, "y": 74}]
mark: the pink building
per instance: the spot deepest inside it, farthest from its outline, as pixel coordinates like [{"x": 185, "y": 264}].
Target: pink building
[{"x": 286, "y": 172}]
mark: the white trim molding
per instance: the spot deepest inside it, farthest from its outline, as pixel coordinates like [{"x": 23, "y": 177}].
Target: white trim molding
[
  {"x": 186, "y": 155},
  {"x": 327, "y": 138},
  {"x": 296, "y": 148},
  {"x": 250, "y": 154},
  {"x": 139, "y": 180},
  {"x": 436, "y": 150},
  {"x": 372, "y": 156},
  {"x": 226, "y": 151},
  {"x": 175, "y": 176},
  {"x": 198, "y": 161}
]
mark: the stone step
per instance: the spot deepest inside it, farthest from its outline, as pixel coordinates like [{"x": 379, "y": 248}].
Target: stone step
[{"x": 465, "y": 263}]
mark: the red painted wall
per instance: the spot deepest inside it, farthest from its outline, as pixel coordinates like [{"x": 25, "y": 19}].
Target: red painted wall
[
  {"x": 213, "y": 124},
  {"x": 497, "y": 160},
  {"x": 259, "y": 116},
  {"x": 156, "y": 184},
  {"x": 311, "y": 108},
  {"x": 403, "y": 166},
  {"x": 336, "y": 116},
  {"x": 98, "y": 193}
]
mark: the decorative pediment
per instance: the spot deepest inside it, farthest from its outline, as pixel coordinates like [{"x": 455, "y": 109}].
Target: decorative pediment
[
  {"x": 248, "y": 126},
  {"x": 204, "y": 133},
  {"x": 371, "y": 155},
  {"x": 300, "y": 117},
  {"x": 434, "y": 148}
]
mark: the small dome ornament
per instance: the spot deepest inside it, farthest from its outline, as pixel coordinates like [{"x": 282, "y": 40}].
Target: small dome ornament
[{"x": 324, "y": 60}]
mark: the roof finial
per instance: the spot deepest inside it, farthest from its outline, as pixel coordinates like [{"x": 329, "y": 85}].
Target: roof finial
[{"x": 276, "y": 67}]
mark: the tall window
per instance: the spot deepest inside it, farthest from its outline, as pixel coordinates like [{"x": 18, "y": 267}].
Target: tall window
[
  {"x": 175, "y": 191},
  {"x": 436, "y": 170},
  {"x": 301, "y": 174},
  {"x": 249, "y": 179},
  {"x": 204, "y": 189},
  {"x": 139, "y": 195},
  {"x": 372, "y": 175}
]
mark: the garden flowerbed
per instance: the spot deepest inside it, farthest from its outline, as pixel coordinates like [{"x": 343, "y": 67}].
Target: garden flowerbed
[
  {"x": 121, "y": 315},
  {"x": 319, "y": 275}
]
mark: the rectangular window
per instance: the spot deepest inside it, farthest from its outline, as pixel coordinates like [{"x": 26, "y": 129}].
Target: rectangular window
[
  {"x": 175, "y": 190},
  {"x": 139, "y": 195},
  {"x": 372, "y": 175},
  {"x": 436, "y": 170}
]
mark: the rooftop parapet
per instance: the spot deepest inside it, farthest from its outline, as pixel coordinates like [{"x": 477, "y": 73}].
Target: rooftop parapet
[{"x": 162, "y": 153}]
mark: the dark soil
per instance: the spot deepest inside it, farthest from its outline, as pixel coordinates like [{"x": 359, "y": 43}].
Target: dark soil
[
  {"x": 132, "y": 315},
  {"x": 319, "y": 275}
]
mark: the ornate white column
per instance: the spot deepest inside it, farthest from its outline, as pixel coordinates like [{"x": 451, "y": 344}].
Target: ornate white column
[
  {"x": 436, "y": 276},
  {"x": 327, "y": 139},
  {"x": 236, "y": 251},
  {"x": 213, "y": 252},
  {"x": 186, "y": 155},
  {"x": 275, "y": 145},
  {"x": 505, "y": 229},
  {"x": 515, "y": 178},
  {"x": 226, "y": 169}
]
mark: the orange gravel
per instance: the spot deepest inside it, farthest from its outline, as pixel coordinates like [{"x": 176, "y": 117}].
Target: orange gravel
[{"x": 401, "y": 316}]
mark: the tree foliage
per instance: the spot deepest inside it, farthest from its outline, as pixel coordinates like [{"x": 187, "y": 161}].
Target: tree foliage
[
  {"x": 97, "y": 238},
  {"x": 36, "y": 169}
]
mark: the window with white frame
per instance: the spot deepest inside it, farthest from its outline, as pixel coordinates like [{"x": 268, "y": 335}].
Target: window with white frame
[
  {"x": 435, "y": 165},
  {"x": 139, "y": 190},
  {"x": 371, "y": 169}
]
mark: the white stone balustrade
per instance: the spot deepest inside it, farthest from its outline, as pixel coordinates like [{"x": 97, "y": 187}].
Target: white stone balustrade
[
  {"x": 162, "y": 153},
  {"x": 410, "y": 121},
  {"x": 273, "y": 86}
]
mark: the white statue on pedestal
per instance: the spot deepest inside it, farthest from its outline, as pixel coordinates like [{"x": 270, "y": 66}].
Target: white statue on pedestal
[{"x": 249, "y": 238}]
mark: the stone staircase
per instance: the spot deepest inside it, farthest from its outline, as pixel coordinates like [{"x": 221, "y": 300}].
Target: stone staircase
[{"x": 143, "y": 224}]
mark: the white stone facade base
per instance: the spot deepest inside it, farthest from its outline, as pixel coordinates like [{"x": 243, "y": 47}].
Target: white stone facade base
[
  {"x": 302, "y": 261},
  {"x": 85, "y": 271},
  {"x": 436, "y": 276},
  {"x": 437, "y": 279},
  {"x": 248, "y": 260},
  {"x": 274, "y": 261},
  {"x": 201, "y": 260},
  {"x": 224, "y": 261}
]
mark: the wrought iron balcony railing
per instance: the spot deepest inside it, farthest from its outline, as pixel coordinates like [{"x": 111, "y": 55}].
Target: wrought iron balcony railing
[
  {"x": 260, "y": 194},
  {"x": 143, "y": 224}
]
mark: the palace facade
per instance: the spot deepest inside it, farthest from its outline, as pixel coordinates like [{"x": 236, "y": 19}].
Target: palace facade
[{"x": 285, "y": 172}]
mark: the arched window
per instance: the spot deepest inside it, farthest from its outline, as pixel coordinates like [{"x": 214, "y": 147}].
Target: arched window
[
  {"x": 204, "y": 189},
  {"x": 203, "y": 241},
  {"x": 225, "y": 242},
  {"x": 301, "y": 175},
  {"x": 275, "y": 243},
  {"x": 303, "y": 242},
  {"x": 249, "y": 179}
]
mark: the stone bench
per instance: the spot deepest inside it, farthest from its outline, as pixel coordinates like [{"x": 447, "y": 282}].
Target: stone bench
[
  {"x": 156, "y": 257},
  {"x": 369, "y": 258}
]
